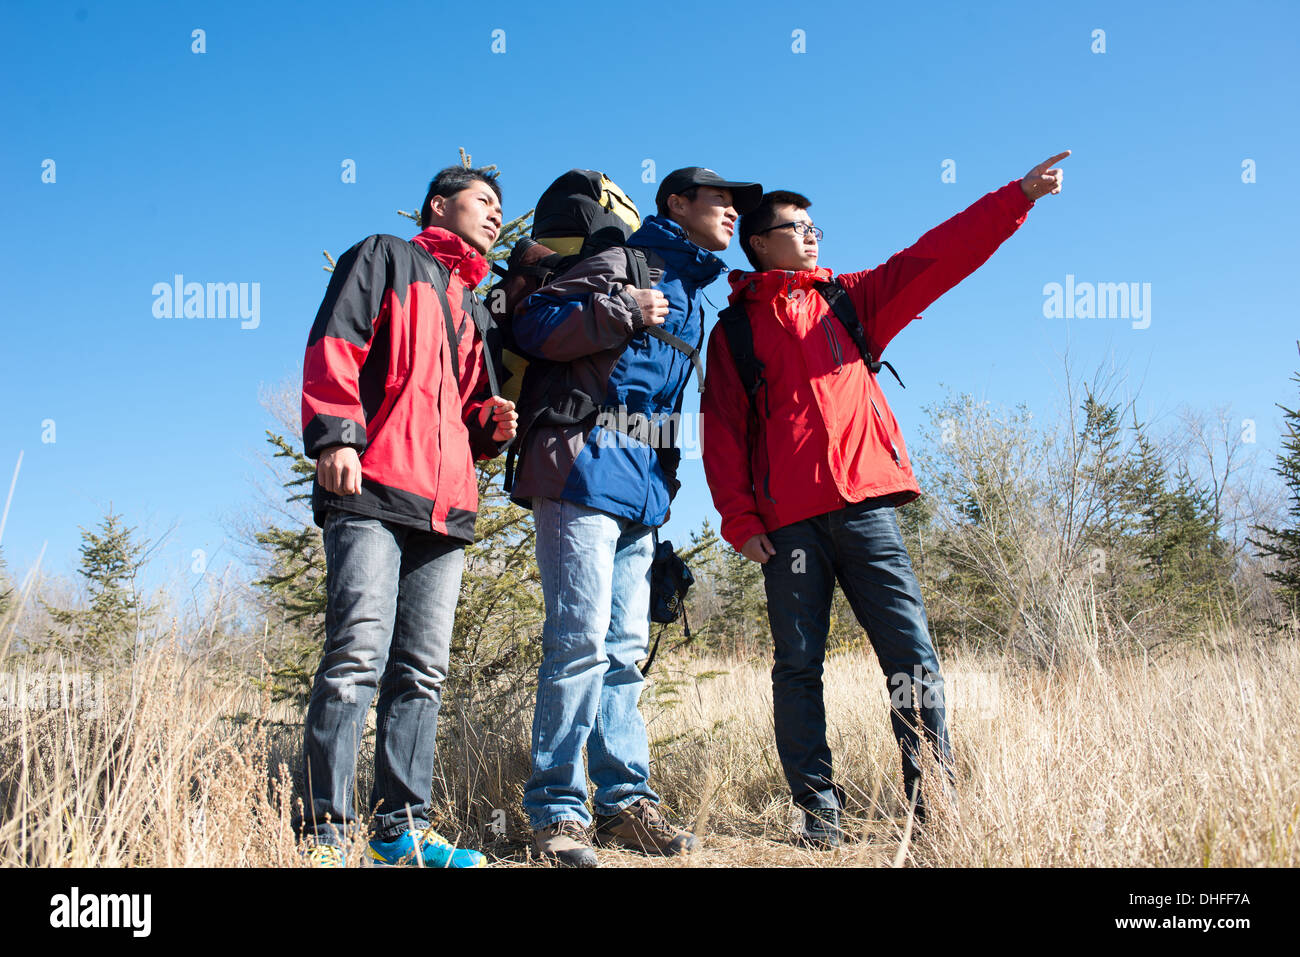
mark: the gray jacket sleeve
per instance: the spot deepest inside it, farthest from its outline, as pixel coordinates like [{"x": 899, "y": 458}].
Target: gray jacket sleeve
[{"x": 587, "y": 310}]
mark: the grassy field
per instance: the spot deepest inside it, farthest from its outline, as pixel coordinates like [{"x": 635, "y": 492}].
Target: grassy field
[{"x": 1191, "y": 758}]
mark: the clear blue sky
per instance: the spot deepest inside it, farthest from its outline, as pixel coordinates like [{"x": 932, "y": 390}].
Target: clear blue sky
[{"x": 225, "y": 166}]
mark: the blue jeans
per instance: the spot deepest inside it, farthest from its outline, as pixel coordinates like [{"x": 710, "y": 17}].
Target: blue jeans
[
  {"x": 861, "y": 546},
  {"x": 595, "y": 571},
  {"x": 391, "y": 595}
]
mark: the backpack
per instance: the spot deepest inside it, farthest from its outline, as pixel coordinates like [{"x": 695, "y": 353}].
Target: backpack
[
  {"x": 582, "y": 213},
  {"x": 740, "y": 339}
]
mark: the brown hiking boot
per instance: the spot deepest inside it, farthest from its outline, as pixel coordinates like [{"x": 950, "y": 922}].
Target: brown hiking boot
[
  {"x": 643, "y": 827},
  {"x": 565, "y": 842}
]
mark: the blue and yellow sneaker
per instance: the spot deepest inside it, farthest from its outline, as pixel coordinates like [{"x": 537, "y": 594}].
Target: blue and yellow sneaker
[
  {"x": 424, "y": 848},
  {"x": 323, "y": 855}
]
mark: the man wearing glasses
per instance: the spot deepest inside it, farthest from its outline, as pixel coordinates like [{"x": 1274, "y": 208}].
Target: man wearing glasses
[{"x": 806, "y": 464}]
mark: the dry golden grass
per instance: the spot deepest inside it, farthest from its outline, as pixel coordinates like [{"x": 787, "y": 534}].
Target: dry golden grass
[{"x": 1189, "y": 760}]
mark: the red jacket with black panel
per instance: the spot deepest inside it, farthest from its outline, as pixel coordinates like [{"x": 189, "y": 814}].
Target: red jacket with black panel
[
  {"x": 826, "y": 437},
  {"x": 378, "y": 376}
]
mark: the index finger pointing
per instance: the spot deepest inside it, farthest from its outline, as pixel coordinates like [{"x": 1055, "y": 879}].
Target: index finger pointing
[{"x": 1055, "y": 159}]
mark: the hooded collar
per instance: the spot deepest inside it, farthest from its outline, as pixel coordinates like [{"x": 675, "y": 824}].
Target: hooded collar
[
  {"x": 454, "y": 253},
  {"x": 669, "y": 241},
  {"x": 768, "y": 285}
]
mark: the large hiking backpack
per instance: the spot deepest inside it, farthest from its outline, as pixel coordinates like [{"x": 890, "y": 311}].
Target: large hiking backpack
[{"x": 581, "y": 214}]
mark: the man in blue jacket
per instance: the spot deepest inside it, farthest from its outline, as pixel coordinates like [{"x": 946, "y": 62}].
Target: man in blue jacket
[{"x": 597, "y": 491}]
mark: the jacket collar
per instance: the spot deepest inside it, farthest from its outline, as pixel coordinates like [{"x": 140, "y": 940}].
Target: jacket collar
[
  {"x": 768, "y": 285},
  {"x": 669, "y": 241},
  {"x": 454, "y": 253}
]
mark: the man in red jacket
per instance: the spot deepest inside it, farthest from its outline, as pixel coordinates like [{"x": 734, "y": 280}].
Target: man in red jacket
[
  {"x": 396, "y": 405},
  {"x": 806, "y": 465}
]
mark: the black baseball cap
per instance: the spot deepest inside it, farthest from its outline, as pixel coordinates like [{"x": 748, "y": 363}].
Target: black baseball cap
[{"x": 744, "y": 196}]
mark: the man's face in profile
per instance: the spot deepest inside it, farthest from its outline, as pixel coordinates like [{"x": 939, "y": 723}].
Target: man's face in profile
[
  {"x": 473, "y": 214},
  {"x": 709, "y": 219},
  {"x": 782, "y": 247}
]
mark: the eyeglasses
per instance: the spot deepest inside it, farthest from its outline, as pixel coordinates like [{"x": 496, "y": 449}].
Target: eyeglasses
[{"x": 800, "y": 229}]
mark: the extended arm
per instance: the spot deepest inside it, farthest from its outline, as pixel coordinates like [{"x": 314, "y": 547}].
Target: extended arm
[{"x": 894, "y": 293}]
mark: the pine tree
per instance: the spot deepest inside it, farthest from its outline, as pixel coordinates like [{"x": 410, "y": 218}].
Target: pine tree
[
  {"x": 726, "y": 605},
  {"x": 1183, "y": 563},
  {"x": 1143, "y": 496},
  {"x": 111, "y": 560},
  {"x": 496, "y": 647},
  {"x": 1102, "y": 516},
  {"x": 294, "y": 580},
  {"x": 743, "y": 601},
  {"x": 1283, "y": 542},
  {"x": 1105, "y": 471},
  {"x": 1198, "y": 561}
]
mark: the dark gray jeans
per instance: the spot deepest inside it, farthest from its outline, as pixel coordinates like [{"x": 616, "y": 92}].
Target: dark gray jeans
[
  {"x": 861, "y": 546},
  {"x": 391, "y": 593}
]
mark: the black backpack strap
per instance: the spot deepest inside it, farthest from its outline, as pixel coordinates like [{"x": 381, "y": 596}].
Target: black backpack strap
[
  {"x": 740, "y": 339},
  {"x": 838, "y": 299},
  {"x": 487, "y": 330},
  {"x": 681, "y": 345},
  {"x": 439, "y": 279},
  {"x": 645, "y": 668},
  {"x": 638, "y": 270},
  {"x": 638, "y": 267},
  {"x": 508, "y": 480},
  {"x": 571, "y": 408}
]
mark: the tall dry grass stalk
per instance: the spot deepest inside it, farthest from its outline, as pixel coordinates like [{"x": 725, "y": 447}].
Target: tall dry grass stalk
[
  {"x": 1189, "y": 760},
  {"x": 1192, "y": 760},
  {"x": 160, "y": 765}
]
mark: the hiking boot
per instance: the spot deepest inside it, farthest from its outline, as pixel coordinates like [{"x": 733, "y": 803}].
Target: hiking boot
[
  {"x": 643, "y": 826},
  {"x": 323, "y": 855},
  {"x": 821, "y": 828},
  {"x": 923, "y": 811},
  {"x": 423, "y": 848},
  {"x": 566, "y": 843}
]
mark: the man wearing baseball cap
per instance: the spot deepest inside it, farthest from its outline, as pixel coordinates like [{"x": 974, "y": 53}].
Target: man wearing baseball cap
[{"x": 598, "y": 489}]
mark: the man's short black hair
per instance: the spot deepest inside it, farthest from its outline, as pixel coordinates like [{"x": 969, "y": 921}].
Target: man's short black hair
[
  {"x": 690, "y": 193},
  {"x": 452, "y": 180},
  {"x": 763, "y": 216}
]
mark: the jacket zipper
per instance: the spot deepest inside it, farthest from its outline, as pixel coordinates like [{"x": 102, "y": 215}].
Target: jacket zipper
[
  {"x": 834, "y": 343},
  {"x": 892, "y": 449},
  {"x": 767, "y": 459}
]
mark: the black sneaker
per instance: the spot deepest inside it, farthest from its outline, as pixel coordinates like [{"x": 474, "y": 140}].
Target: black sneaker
[
  {"x": 923, "y": 811},
  {"x": 821, "y": 828}
]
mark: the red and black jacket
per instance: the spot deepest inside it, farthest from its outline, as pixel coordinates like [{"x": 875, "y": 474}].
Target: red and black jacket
[{"x": 378, "y": 376}]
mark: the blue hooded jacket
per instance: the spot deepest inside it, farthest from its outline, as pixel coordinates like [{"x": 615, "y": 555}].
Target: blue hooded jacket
[{"x": 587, "y": 319}]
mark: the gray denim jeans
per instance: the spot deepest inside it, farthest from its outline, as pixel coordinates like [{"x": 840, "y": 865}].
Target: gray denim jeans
[{"x": 391, "y": 593}]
